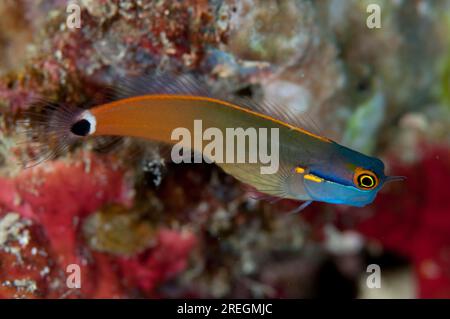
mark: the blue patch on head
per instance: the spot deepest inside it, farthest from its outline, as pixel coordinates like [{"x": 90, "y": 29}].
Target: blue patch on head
[
  {"x": 335, "y": 193},
  {"x": 338, "y": 172}
]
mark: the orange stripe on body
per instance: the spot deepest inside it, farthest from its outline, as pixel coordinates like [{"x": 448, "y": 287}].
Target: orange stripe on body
[{"x": 212, "y": 100}]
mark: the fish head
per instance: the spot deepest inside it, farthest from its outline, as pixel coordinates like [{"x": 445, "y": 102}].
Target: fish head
[{"x": 348, "y": 177}]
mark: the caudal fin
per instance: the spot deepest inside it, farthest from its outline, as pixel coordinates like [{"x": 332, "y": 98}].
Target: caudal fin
[{"x": 45, "y": 132}]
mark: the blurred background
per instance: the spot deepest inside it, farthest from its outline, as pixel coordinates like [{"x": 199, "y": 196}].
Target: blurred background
[{"x": 141, "y": 227}]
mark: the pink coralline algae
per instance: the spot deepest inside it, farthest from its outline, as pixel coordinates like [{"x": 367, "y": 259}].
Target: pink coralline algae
[
  {"x": 163, "y": 262},
  {"x": 52, "y": 203},
  {"x": 133, "y": 223}
]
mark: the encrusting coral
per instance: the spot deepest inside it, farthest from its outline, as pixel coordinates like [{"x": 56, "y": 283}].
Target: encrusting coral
[{"x": 140, "y": 227}]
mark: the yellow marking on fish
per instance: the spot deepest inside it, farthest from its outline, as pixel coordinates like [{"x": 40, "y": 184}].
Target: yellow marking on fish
[
  {"x": 313, "y": 178},
  {"x": 299, "y": 170}
]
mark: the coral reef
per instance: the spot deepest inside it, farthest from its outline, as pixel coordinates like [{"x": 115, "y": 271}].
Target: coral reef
[{"x": 140, "y": 227}]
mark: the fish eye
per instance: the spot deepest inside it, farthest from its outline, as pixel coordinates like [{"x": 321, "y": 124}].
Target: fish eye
[{"x": 365, "y": 179}]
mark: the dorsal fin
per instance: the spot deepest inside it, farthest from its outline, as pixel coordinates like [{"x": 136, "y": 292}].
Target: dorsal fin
[
  {"x": 190, "y": 84},
  {"x": 277, "y": 111},
  {"x": 160, "y": 83}
]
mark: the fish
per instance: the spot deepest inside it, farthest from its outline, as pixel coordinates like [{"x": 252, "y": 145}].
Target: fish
[{"x": 310, "y": 167}]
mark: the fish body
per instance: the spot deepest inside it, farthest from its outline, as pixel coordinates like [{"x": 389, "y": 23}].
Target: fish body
[{"x": 310, "y": 167}]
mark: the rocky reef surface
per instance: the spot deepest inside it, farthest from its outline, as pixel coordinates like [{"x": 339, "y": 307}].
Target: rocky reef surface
[{"x": 139, "y": 226}]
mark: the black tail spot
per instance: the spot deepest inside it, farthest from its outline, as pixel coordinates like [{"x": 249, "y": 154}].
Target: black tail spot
[{"x": 81, "y": 127}]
